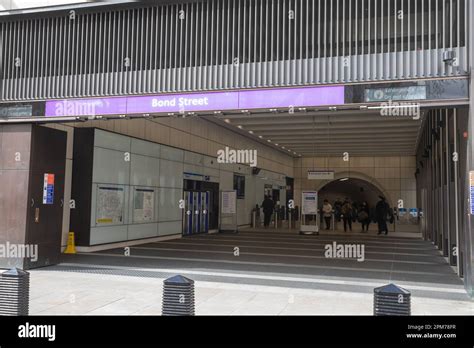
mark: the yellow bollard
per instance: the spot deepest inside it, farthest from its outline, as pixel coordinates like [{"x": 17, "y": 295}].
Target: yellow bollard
[{"x": 71, "y": 246}]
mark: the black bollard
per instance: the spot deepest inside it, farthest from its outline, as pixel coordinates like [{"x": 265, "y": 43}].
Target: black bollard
[
  {"x": 392, "y": 300},
  {"x": 178, "y": 296},
  {"x": 14, "y": 292}
]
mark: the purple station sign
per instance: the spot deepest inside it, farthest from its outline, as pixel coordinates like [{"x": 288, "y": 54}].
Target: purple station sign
[{"x": 196, "y": 102}]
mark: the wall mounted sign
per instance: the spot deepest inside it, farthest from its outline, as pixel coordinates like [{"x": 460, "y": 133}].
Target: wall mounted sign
[
  {"x": 320, "y": 175},
  {"x": 471, "y": 191},
  {"x": 193, "y": 176},
  {"x": 196, "y": 102},
  {"x": 48, "y": 189},
  {"x": 395, "y": 93},
  {"x": 16, "y": 111}
]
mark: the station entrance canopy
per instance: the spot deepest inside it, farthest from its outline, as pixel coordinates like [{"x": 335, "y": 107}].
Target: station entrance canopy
[
  {"x": 194, "y": 102},
  {"x": 347, "y": 97}
]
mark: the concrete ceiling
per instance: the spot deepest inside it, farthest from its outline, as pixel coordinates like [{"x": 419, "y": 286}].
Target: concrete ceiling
[{"x": 328, "y": 133}]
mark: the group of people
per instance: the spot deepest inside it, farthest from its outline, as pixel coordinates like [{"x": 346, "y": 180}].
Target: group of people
[
  {"x": 350, "y": 212},
  {"x": 346, "y": 211}
]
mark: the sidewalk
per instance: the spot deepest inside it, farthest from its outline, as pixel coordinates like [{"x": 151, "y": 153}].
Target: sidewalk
[{"x": 95, "y": 293}]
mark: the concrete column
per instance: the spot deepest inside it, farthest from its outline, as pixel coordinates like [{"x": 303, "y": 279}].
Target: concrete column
[
  {"x": 469, "y": 225},
  {"x": 15, "y": 150}
]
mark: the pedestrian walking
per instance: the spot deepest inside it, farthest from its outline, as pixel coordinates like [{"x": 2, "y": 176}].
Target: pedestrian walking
[
  {"x": 268, "y": 206},
  {"x": 327, "y": 213}
]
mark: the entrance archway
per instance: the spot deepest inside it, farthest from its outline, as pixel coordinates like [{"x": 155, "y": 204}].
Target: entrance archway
[
  {"x": 354, "y": 179},
  {"x": 357, "y": 190}
]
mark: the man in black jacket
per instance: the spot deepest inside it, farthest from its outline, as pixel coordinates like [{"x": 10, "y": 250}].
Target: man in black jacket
[
  {"x": 381, "y": 213},
  {"x": 268, "y": 207}
]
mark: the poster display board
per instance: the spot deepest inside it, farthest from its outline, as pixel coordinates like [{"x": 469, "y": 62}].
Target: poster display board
[
  {"x": 110, "y": 205},
  {"x": 309, "y": 212},
  {"x": 309, "y": 203},
  {"x": 229, "y": 202},
  {"x": 228, "y": 211},
  {"x": 143, "y": 205}
]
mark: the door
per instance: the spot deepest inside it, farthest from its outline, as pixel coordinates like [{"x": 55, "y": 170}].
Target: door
[
  {"x": 188, "y": 213},
  {"x": 46, "y": 195},
  {"x": 212, "y": 189},
  {"x": 196, "y": 212}
]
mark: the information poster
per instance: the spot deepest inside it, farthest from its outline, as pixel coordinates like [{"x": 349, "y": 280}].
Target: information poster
[
  {"x": 143, "y": 205},
  {"x": 309, "y": 203},
  {"x": 110, "y": 205},
  {"x": 48, "y": 189},
  {"x": 229, "y": 200}
]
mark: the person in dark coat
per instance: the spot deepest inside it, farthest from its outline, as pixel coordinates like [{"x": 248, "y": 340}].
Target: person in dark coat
[
  {"x": 364, "y": 216},
  {"x": 268, "y": 207},
  {"x": 347, "y": 212},
  {"x": 381, "y": 213},
  {"x": 337, "y": 209}
]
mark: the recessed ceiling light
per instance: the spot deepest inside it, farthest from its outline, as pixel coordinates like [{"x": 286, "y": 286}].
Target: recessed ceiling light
[
  {"x": 276, "y": 144},
  {"x": 227, "y": 120},
  {"x": 239, "y": 126},
  {"x": 260, "y": 137},
  {"x": 269, "y": 140},
  {"x": 251, "y": 132}
]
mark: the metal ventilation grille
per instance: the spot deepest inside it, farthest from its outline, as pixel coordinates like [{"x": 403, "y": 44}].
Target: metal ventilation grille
[{"x": 224, "y": 44}]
